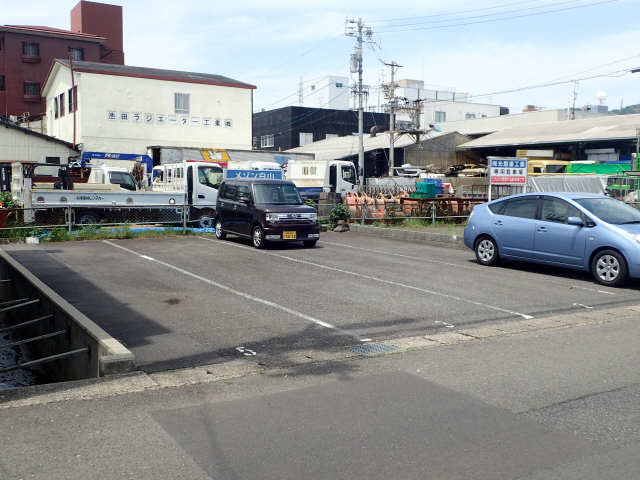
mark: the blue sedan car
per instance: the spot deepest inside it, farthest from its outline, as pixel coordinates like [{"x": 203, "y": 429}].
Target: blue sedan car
[{"x": 583, "y": 231}]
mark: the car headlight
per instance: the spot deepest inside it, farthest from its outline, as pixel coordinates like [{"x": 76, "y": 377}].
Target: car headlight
[{"x": 273, "y": 217}]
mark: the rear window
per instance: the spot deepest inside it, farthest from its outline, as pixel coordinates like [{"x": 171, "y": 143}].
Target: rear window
[{"x": 522, "y": 207}]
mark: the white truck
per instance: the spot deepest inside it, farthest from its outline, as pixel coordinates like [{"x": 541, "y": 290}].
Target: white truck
[
  {"x": 315, "y": 176},
  {"x": 102, "y": 193}
]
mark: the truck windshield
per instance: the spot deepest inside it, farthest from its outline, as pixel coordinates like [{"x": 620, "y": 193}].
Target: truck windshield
[
  {"x": 124, "y": 179},
  {"x": 276, "y": 194},
  {"x": 610, "y": 210},
  {"x": 348, "y": 174},
  {"x": 210, "y": 176}
]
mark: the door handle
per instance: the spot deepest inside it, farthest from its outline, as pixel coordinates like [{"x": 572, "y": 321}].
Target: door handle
[
  {"x": 541, "y": 229},
  {"x": 222, "y": 204},
  {"x": 235, "y": 207},
  {"x": 498, "y": 223},
  {"x": 200, "y": 196}
]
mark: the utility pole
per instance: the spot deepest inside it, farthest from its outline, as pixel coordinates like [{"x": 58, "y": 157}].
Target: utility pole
[
  {"x": 355, "y": 28},
  {"x": 392, "y": 110},
  {"x": 300, "y": 93},
  {"x": 573, "y": 103},
  {"x": 634, "y": 164}
]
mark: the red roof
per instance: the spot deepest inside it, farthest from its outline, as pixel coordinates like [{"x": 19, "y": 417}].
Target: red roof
[{"x": 51, "y": 30}]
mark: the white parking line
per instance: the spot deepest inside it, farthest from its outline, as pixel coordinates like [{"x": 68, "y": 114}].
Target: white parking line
[
  {"x": 375, "y": 279},
  {"x": 456, "y": 265},
  {"x": 253, "y": 298}
]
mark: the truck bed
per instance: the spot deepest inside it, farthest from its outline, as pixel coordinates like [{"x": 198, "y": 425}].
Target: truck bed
[{"x": 75, "y": 198}]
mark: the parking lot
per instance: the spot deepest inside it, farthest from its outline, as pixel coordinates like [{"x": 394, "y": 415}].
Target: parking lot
[{"x": 179, "y": 302}]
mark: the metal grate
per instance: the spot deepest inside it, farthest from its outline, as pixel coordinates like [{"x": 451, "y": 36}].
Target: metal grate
[{"x": 373, "y": 348}]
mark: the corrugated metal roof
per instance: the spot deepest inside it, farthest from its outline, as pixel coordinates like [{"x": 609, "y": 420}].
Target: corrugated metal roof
[
  {"x": 155, "y": 73},
  {"x": 608, "y": 127},
  {"x": 341, "y": 147}
]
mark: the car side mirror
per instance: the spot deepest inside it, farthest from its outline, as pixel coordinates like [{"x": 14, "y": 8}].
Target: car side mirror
[{"x": 577, "y": 221}]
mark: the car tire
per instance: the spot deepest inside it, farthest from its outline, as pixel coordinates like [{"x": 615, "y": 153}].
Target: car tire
[
  {"x": 220, "y": 233},
  {"x": 486, "y": 251},
  {"x": 609, "y": 268},
  {"x": 310, "y": 243},
  {"x": 87, "y": 218},
  {"x": 257, "y": 237}
]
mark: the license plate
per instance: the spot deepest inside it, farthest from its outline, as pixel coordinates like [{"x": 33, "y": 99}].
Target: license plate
[{"x": 289, "y": 235}]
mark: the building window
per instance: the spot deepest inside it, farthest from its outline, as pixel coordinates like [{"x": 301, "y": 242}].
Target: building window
[
  {"x": 305, "y": 138},
  {"x": 228, "y": 123},
  {"x": 76, "y": 53},
  {"x": 61, "y": 103},
  {"x": 470, "y": 116},
  {"x": 266, "y": 141},
  {"x": 52, "y": 160},
  {"x": 55, "y": 107},
  {"x": 30, "y": 49},
  {"x": 313, "y": 87},
  {"x": 32, "y": 88},
  {"x": 70, "y": 99},
  {"x": 309, "y": 170},
  {"x": 1, "y": 83},
  {"x": 181, "y": 102},
  {"x": 339, "y": 85},
  {"x": 441, "y": 117}
]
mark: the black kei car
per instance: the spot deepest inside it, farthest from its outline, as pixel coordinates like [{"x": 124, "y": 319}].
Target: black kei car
[{"x": 265, "y": 211}]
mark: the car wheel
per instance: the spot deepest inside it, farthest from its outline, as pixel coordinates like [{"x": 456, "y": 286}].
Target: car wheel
[
  {"x": 310, "y": 243},
  {"x": 88, "y": 218},
  {"x": 609, "y": 268},
  {"x": 205, "y": 222},
  {"x": 486, "y": 251},
  {"x": 220, "y": 234},
  {"x": 257, "y": 237}
]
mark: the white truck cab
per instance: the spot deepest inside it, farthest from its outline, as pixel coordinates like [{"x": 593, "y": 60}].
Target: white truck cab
[
  {"x": 315, "y": 176},
  {"x": 199, "y": 180}
]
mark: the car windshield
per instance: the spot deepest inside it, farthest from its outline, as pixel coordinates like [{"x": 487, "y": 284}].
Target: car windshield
[
  {"x": 610, "y": 210},
  {"x": 276, "y": 194}
]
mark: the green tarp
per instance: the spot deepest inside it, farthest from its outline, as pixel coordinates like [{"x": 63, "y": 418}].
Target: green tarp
[{"x": 598, "y": 168}]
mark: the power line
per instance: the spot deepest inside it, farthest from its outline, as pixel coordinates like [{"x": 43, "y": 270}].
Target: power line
[
  {"x": 453, "y": 12},
  {"x": 518, "y": 10},
  {"x": 602, "y": 2}
]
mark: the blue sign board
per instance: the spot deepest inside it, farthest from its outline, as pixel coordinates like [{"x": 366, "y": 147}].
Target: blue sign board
[
  {"x": 504, "y": 163},
  {"x": 254, "y": 174}
]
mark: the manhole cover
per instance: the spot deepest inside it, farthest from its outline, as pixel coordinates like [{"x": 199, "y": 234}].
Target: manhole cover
[{"x": 373, "y": 348}]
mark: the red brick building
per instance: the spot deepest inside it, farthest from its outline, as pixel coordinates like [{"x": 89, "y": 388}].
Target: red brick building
[{"x": 27, "y": 53}]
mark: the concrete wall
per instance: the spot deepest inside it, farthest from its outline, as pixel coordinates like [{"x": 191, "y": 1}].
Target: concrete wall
[
  {"x": 105, "y": 354},
  {"x": 98, "y": 95}
]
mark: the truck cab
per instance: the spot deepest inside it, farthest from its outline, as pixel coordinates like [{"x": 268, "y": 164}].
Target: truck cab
[{"x": 199, "y": 180}]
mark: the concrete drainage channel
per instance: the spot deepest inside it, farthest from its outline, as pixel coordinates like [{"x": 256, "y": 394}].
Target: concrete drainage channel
[{"x": 49, "y": 336}]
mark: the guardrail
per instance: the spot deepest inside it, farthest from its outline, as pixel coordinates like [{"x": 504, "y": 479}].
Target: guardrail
[{"x": 61, "y": 339}]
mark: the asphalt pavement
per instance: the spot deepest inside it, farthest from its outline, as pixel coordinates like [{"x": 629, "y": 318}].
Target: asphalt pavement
[{"x": 179, "y": 302}]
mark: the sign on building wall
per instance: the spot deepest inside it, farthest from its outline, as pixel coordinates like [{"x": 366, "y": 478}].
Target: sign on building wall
[{"x": 165, "y": 119}]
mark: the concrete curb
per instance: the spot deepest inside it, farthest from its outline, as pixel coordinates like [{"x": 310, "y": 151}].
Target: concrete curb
[
  {"x": 418, "y": 236},
  {"x": 112, "y": 356},
  {"x": 139, "y": 381}
]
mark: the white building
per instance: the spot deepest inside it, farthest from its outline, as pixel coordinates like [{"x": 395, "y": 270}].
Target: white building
[
  {"x": 331, "y": 91},
  {"x": 439, "y": 106},
  {"x": 19, "y": 144},
  {"x": 119, "y": 108}
]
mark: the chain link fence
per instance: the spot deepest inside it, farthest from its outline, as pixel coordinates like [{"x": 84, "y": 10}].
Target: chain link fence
[{"x": 24, "y": 222}]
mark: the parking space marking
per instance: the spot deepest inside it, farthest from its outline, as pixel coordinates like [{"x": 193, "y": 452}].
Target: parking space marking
[
  {"x": 247, "y": 296},
  {"x": 375, "y": 279},
  {"x": 456, "y": 265}
]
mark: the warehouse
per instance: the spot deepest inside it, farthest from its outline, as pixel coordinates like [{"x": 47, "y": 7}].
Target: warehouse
[{"x": 121, "y": 108}]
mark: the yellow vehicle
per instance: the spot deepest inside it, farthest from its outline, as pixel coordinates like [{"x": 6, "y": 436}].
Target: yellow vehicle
[
  {"x": 541, "y": 162},
  {"x": 542, "y": 167}
]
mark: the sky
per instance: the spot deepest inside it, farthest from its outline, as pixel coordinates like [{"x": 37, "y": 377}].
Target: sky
[{"x": 449, "y": 44}]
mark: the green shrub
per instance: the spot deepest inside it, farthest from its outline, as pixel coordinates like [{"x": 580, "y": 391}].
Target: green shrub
[
  {"x": 59, "y": 235},
  {"x": 339, "y": 212},
  {"x": 8, "y": 201}
]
